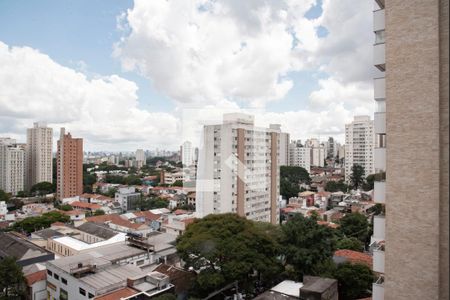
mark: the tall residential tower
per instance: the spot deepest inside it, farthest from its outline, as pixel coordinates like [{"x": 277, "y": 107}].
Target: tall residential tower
[{"x": 39, "y": 162}]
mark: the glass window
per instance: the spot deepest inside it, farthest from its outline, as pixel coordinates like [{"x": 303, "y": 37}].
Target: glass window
[
  {"x": 83, "y": 292},
  {"x": 56, "y": 276},
  {"x": 50, "y": 273},
  {"x": 63, "y": 294},
  {"x": 63, "y": 280}
]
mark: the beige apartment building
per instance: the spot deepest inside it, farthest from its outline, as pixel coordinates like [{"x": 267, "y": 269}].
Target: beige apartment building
[
  {"x": 411, "y": 252},
  {"x": 12, "y": 166},
  {"x": 238, "y": 169},
  {"x": 39, "y": 162},
  {"x": 69, "y": 159}
]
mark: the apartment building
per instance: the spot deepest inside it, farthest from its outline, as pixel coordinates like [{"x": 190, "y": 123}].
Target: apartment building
[
  {"x": 318, "y": 152},
  {"x": 359, "y": 145},
  {"x": 69, "y": 170},
  {"x": 284, "y": 146},
  {"x": 39, "y": 162},
  {"x": 12, "y": 166},
  {"x": 128, "y": 198},
  {"x": 187, "y": 154},
  {"x": 300, "y": 155},
  {"x": 411, "y": 125},
  {"x": 140, "y": 158},
  {"x": 238, "y": 169}
]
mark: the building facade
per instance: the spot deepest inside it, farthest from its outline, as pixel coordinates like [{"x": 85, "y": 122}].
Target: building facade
[
  {"x": 69, "y": 169},
  {"x": 12, "y": 166},
  {"x": 300, "y": 155},
  {"x": 412, "y": 56},
  {"x": 359, "y": 145},
  {"x": 140, "y": 158},
  {"x": 128, "y": 198},
  {"x": 317, "y": 152},
  {"x": 238, "y": 169},
  {"x": 187, "y": 154},
  {"x": 39, "y": 161}
]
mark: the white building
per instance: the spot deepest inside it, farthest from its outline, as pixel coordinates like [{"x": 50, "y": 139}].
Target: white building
[
  {"x": 284, "y": 145},
  {"x": 171, "y": 178},
  {"x": 12, "y": 166},
  {"x": 128, "y": 198},
  {"x": 238, "y": 169},
  {"x": 140, "y": 158},
  {"x": 3, "y": 208},
  {"x": 317, "y": 152},
  {"x": 299, "y": 155},
  {"x": 187, "y": 154},
  {"x": 359, "y": 145},
  {"x": 38, "y": 153}
]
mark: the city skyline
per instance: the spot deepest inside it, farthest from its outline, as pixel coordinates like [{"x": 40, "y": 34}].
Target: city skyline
[{"x": 319, "y": 76}]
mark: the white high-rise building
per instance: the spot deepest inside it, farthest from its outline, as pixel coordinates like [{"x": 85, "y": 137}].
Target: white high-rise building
[
  {"x": 39, "y": 160},
  {"x": 140, "y": 158},
  {"x": 12, "y": 166},
  {"x": 284, "y": 145},
  {"x": 238, "y": 169},
  {"x": 317, "y": 152},
  {"x": 359, "y": 145},
  {"x": 187, "y": 154},
  {"x": 299, "y": 155}
]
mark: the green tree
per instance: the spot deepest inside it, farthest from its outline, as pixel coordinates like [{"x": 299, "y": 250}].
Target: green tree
[
  {"x": 369, "y": 183},
  {"x": 42, "y": 188},
  {"x": 333, "y": 186},
  {"x": 357, "y": 176},
  {"x": 178, "y": 183},
  {"x": 354, "y": 280},
  {"x": 65, "y": 207},
  {"x": 290, "y": 180},
  {"x": 350, "y": 243},
  {"x": 355, "y": 225},
  {"x": 99, "y": 212},
  {"x": 133, "y": 180},
  {"x": 31, "y": 224},
  {"x": 118, "y": 179},
  {"x": 166, "y": 296},
  {"x": 12, "y": 281},
  {"x": 225, "y": 248},
  {"x": 4, "y": 196},
  {"x": 88, "y": 181},
  {"x": 305, "y": 244},
  {"x": 153, "y": 203},
  {"x": 22, "y": 194}
]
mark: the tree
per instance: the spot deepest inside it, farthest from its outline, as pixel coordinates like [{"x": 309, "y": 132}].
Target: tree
[
  {"x": 88, "y": 181},
  {"x": 4, "y": 196},
  {"x": 12, "y": 281},
  {"x": 153, "y": 203},
  {"x": 99, "y": 212},
  {"x": 354, "y": 280},
  {"x": 165, "y": 297},
  {"x": 31, "y": 224},
  {"x": 305, "y": 244},
  {"x": 21, "y": 194},
  {"x": 350, "y": 243},
  {"x": 333, "y": 186},
  {"x": 357, "y": 176},
  {"x": 290, "y": 180},
  {"x": 225, "y": 247},
  {"x": 178, "y": 183},
  {"x": 133, "y": 180},
  {"x": 42, "y": 188},
  {"x": 369, "y": 183},
  {"x": 65, "y": 207},
  {"x": 355, "y": 225}
]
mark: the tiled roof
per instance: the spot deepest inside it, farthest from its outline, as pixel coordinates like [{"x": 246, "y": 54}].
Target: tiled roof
[
  {"x": 115, "y": 219},
  {"x": 35, "y": 277},
  {"x": 355, "y": 256},
  {"x": 149, "y": 216},
  {"x": 91, "y": 206},
  {"x": 72, "y": 212},
  {"x": 119, "y": 294}
]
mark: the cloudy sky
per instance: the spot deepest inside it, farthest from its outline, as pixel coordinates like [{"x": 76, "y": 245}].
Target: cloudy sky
[{"x": 127, "y": 74}]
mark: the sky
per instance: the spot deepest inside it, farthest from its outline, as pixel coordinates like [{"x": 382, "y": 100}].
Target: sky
[{"x": 126, "y": 74}]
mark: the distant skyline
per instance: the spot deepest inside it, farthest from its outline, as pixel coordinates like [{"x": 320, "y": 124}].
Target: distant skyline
[{"x": 121, "y": 74}]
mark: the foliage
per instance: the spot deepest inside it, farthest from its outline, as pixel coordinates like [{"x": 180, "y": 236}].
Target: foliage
[
  {"x": 354, "y": 280},
  {"x": 65, "y": 207},
  {"x": 42, "y": 188},
  {"x": 357, "y": 176},
  {"x": 178, "y": 183},
  {"x": 333, "y": 186},
  {"x": 355, "y": 225},
  {"x": 350, "y": 243},
  {"x": 153, "y": 203},
  {"x": 225, "y": 248},
  {"x": 4, "y": 196},
  {"x": 32, "y": 224},
  {"x": 290, "y": 180},
  {"x": 377, "y": 209},
  {"x": 22, "y": 194},
  {"x": 369, "y": 183},
  {"x": 88, "y": 181},
  {"x": 128, "y": 180},
  {"x": 12, "y": 280},
  {"x": 99, "y": 212},
  {"x": 166, "y": 296},
  {"x": 133, "y": 180},
  {"x": 305, "y": 244}
]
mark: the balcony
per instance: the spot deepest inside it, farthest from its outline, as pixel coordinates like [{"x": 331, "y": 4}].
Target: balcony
[
  {"x": 379, "y": 192},
  {"x": 380, "y": 122},
  {"x": 379, "y": 88},
  {"x": 378, "y": 56},
  {"x": 379, "y": 226},
  {"x": 380, "y": 158},
  {"x": 378, "y": 259},
  {"x": 378, "y": 20},
  {"x": 378, "y": 289}
]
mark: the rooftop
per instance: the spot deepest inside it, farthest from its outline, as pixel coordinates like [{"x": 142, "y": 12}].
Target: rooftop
[
  {"x": 353, "y": 257},
  {"x": 98, "y": 230},
  {"x": 14, "y": 245}
]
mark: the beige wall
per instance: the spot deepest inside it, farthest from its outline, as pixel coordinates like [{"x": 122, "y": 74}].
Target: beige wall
[{"x": 417, "y": 149}]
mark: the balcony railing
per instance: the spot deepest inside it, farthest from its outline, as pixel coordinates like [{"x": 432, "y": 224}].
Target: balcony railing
[
  {"x": 379, "y": 60},
  {"x": 379, "y": 192},
  {"x": 378, "y": 259},
  {"x": 379, "y": 227},
  {"x": 379, "y": 88},
  {"x": 378, "y": 20},
  {"x": 380, "y": 122},
  {"x": 380, "y": 158},
  {"x": 378, "y": 289}
]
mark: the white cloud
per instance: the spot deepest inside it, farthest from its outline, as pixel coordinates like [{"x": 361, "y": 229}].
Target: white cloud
[
  {"x": 102, "y": 110},
  {"x": 203, "y": 51}
]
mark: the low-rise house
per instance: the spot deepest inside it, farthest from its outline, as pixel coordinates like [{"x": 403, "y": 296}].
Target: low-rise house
[
  {"x": 74, "y": 215},
  {"x": 118, "y": 223},
  {"x": 34, "y": 209},
  {"x": 36, "y": 282},
  {"x": 84, "y": 206},
  {"x": 351, "y": 256}
]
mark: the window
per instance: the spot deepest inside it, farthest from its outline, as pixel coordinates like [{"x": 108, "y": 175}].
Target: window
[
  {"x": 91, "y": 296},
  {"x": 50, "y": 273},
  {"x": 83, "y": 292},
  {"x": 63, "y": 280},
  {"x": 139, "y": 262},
  {"x": 63, "y": 294},
  {"x": 56, "y": 276}
]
